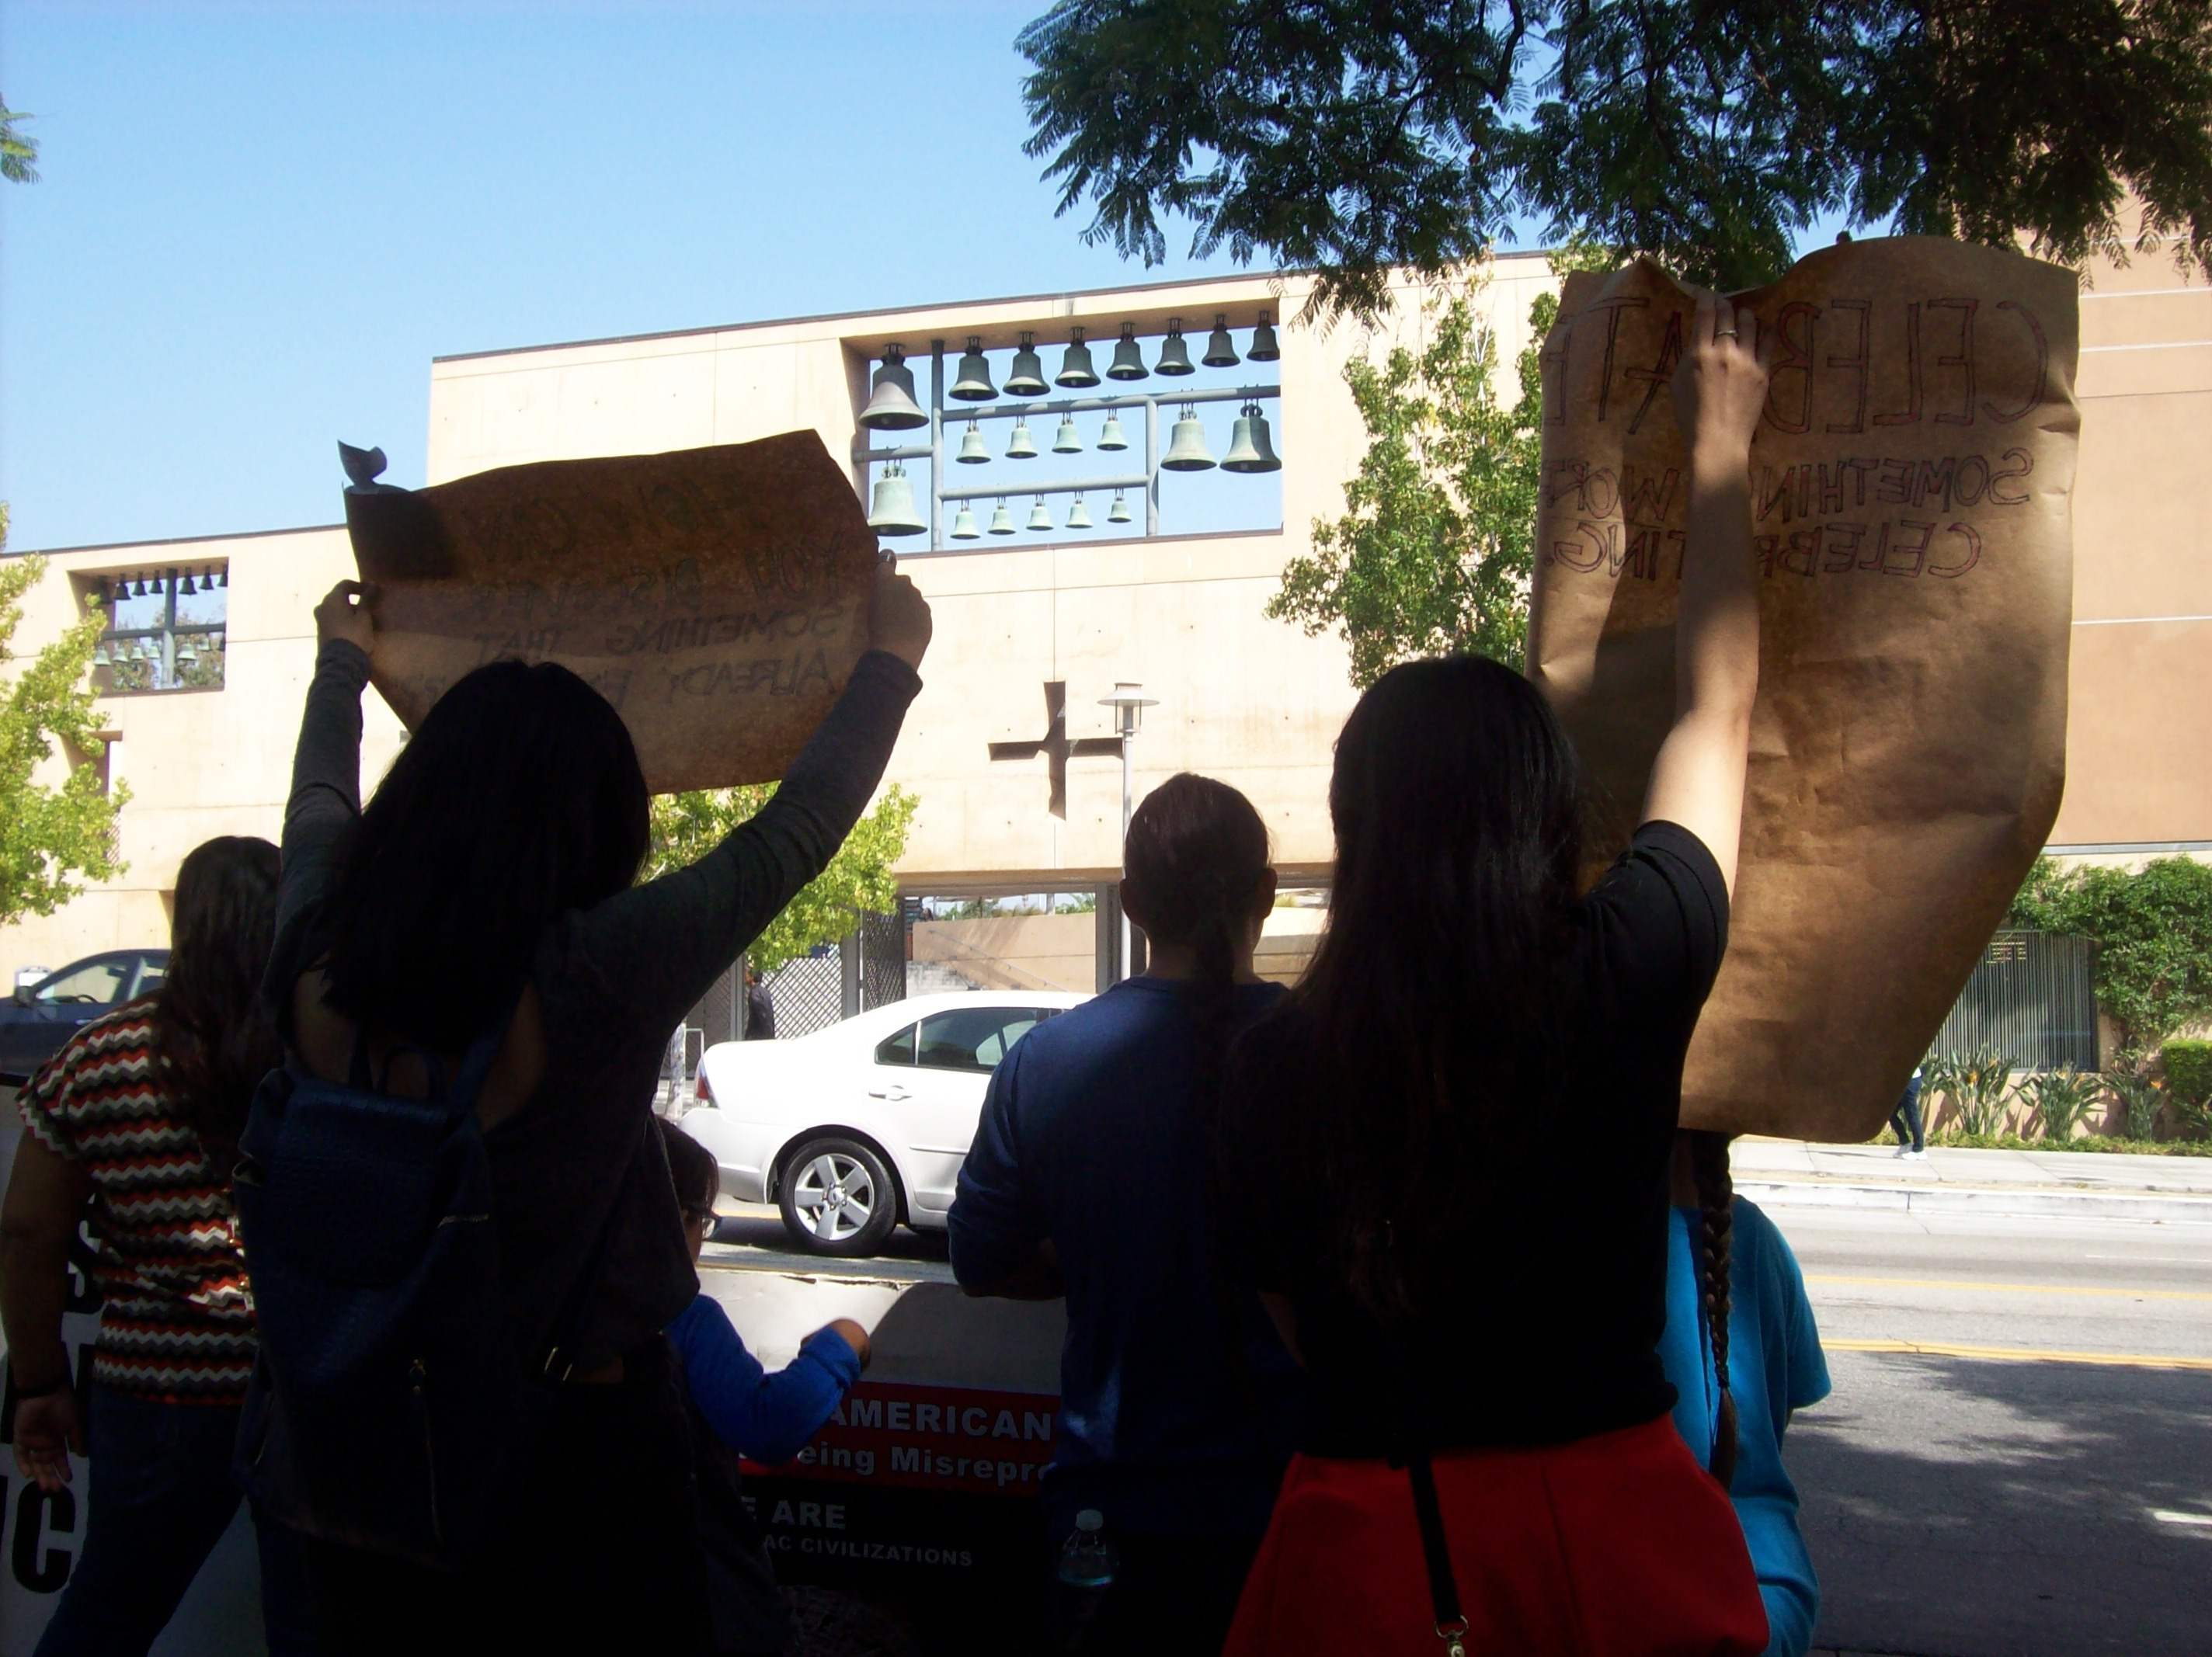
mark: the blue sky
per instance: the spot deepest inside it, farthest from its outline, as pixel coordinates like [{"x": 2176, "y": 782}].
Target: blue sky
[{"x": 256, "y": 224}]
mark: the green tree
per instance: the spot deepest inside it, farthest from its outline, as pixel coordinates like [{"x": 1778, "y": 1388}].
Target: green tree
[
  {"x": 686, "y": 827},
  {"x": 52, "y": 840},
  {"x": 1434, "y": 549},
  {"x": 1348, "y": 137},
  {"x": 2153, "y": 930},
  {"x": 18, "y": 151}
]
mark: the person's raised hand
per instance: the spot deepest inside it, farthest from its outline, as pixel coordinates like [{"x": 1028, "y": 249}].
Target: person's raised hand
[
  {"x": 47, "y": 1430},
  {"x": 339, "y": 616},
  {"x": 1720, "y": 383},
  {"x": 898, "y": 616},
  {"x": 854, "y": 1336}
]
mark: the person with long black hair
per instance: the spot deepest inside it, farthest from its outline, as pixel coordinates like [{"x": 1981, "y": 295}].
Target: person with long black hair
[
  {"x": 1088, "y": 1178},
  {"x": 1452, "y": 1145},
  {"x": 139, "y": 1114},
  {"x": 488, "y": 892}
]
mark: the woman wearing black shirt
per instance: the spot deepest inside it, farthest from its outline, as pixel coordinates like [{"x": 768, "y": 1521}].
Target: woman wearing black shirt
[
  {"x": 490, "y": 885},
  {"x": 1454, "y": 1141}
]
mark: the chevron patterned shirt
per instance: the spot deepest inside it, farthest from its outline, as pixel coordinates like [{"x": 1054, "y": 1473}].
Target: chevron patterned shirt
[{"x": 176, "y": 1325}]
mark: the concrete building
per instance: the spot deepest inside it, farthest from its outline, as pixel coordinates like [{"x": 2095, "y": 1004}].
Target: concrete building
[{"x": 1012, "y": 801}]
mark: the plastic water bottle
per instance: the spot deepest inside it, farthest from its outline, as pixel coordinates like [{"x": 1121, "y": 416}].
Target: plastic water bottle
[{"x": 1089, "y": 1560}]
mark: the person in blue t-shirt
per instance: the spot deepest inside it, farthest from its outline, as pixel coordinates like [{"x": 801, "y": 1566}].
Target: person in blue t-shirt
[
  {"x": 1090, "y": 1178},
  {"x": 1740, "y": 1365}
]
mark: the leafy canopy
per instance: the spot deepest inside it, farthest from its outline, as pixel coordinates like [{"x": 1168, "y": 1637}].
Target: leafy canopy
[
  {"x": 1348, "y": 137},
  {"x": 2152, "y": 928},
  {"x": 53, "y": 838},
  {"x": 686, "y": 827}
]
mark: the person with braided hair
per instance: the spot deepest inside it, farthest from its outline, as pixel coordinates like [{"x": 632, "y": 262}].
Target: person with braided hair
[
  {"x": 1743, "y": 1352},
  {"x": 1089, "y": 1178},
  {"x": 1450, "y": 1144}
]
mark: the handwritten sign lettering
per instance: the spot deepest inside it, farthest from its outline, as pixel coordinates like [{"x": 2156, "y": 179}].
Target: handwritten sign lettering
[
  {"x": 717, "y": 597},
  {"x": 1910, "y": 500}
]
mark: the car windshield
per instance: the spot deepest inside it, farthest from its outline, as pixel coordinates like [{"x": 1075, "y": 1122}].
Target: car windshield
[{"x": 96, "y": 983}]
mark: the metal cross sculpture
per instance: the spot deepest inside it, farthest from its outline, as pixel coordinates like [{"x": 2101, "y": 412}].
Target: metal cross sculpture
[{"x": 1056, "y": 746}]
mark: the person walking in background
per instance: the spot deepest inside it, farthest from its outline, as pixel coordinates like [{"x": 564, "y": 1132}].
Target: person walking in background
[
  {"x": 482, "y": 918},
  {"x": 739, "y": 1410},
  {"x": 1905, "y": 1120},
  {"x": 140, "y": 1113},
  {"x": 1743, "y": 1351},
  {"x": 760, "y": 1008},
  {"x": 1450, "y": 1146},
  {"x": 1088, "y": 1178}
]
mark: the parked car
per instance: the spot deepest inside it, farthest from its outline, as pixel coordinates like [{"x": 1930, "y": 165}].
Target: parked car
[
  {"x": 859, "y": 1126},
  {"x": 44, "y": 1015}
]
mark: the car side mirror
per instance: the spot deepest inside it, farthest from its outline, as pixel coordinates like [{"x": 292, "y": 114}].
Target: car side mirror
[{"x": 23, "y": 995}]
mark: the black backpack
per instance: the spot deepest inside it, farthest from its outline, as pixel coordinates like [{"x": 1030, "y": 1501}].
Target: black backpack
[{"x": 387, "y": 1399}]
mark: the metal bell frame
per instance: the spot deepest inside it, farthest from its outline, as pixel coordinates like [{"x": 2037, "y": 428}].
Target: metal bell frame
[{"x": 1021, "y": 411}]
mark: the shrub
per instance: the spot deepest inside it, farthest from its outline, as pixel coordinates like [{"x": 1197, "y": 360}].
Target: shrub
[
  {"x": 2139, "y": 1096},
  {"x": 1976, "y": 1084},
  {"x": 2188, "y": 1070},
  {"x": 2152, "y": 929},
  {"x": 2060, "y": 1099}
]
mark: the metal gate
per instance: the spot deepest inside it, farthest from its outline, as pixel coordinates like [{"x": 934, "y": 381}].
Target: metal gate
[
  {"x": 2033, "y": 998},
  {"x": 883, "y": 943}
]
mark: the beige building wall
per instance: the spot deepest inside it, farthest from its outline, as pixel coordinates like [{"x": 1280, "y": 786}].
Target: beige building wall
[
  {"x": 2140, "y": 719},
  {"x": 1241, "y": 697},
  {"x": 199, "y": 763}
]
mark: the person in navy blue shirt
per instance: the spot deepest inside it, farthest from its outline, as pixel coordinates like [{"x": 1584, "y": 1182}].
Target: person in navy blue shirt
[
  {"x": 1741, "y": 1368},
  {"x": 1090, "y": 1178}
]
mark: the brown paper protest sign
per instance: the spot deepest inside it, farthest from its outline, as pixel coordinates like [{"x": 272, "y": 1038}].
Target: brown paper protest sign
[
  {"x": 1912, "y": 483},
  {"x": 717, "y": 597}
]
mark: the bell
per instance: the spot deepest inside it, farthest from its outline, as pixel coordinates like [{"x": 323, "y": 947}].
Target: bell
[
  {"x": 1002, "y": 521},
  {"x": 963, "y": 527},
  {"x": 1128, "y": 356},
  {"x": 974, "y": 452},
  {"x": 100, "y": 654},
  {"x": 1251, "y": 451},
  {"x": 1119, "y": 511},
  {"x": 186, "y": 590},
  {"x": 141, "y": 593},
  {"x": 1220, "y": 349},
  {"x": 1264, "y": 349},
  {"x": 1187, "y": 453},
  {"x": 973, "y": 383},
  {"x": 1075, "y": 369},
  {"x": 1078, "y": 515},
  {"x": 1111, "y": 437},
  {"x": 1021, "y": 447},
  {"x": 892, "y": 407},
  {"x": 893, "y": 513},
  {"x": 1175, "y": 355},
  {"x": 1027, "y": 379},
  {"x": 1067, "y": 442},
  {"x": 222, "y": 576},
  {"x": 1040, "y": 515},
  {"x": 188, "y": 651}
]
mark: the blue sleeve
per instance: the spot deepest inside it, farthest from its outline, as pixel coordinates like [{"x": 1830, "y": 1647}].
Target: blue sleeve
[
  {"x": 1773, "y": 1329},
  {"x": 767, "y": 1416},
  {"x": 994, "y": 1224}
]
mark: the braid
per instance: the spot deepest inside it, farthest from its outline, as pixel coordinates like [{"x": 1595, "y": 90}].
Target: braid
[{"x": 1709, "y": 1162}]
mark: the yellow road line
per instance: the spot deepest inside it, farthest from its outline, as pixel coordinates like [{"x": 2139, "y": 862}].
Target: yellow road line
[
  {"x": 1939, "y": 1349},
  {"x": 2013, "y": 1288}
]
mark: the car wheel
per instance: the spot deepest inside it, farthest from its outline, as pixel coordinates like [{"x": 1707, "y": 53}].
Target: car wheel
[{"x": 837, "y": 1198}]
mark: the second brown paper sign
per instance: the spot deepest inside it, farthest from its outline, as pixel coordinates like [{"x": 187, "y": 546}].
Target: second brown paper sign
[{"x": 1911, "y": 484}]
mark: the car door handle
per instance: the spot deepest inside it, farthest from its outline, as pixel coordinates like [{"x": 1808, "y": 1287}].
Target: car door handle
[{"x": 893, "y": 1093}]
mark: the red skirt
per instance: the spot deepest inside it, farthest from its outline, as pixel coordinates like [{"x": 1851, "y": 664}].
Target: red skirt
[{"x": 1612, "y": 1546}]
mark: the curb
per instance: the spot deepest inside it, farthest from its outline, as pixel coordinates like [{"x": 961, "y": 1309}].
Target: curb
[{"x": 1975, "y": 1199}]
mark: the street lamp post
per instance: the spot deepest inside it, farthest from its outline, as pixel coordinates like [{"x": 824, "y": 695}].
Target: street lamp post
[{"x": 1129, "y": 702}]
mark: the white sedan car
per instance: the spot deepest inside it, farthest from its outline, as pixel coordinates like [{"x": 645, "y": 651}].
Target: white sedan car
[{"x": 865, "y": 1124}]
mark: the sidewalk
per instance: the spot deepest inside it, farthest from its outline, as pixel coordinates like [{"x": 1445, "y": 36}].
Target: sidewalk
[{"x": 2082, "y": 1184}]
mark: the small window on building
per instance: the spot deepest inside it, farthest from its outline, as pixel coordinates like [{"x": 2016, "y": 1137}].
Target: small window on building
[{"x": 167, "y": 628}]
